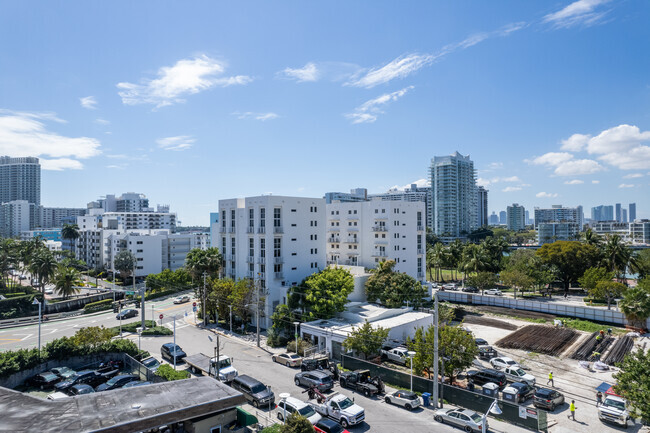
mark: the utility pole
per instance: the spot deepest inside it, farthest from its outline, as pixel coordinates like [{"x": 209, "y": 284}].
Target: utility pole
[
  {"x": 174, "y": 342},
  {"x": 218, "y": 354},
  {"x": 143, "y": 290},
  {"x": 133, "y": 277},
  {"x": 257, "y": 290},
  {"x": 230, "y": 306},
  {"x": 205, "y": 316},
  {"x": 436, "y": 322}
]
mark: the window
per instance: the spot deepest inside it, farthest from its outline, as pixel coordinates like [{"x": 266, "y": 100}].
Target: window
[
  {"x": 355, "y": 211},
  {"x": 262, "y": 248},
  {"x": 419, "y": 264},
  {"x": 232, "y": 218},
  {"x": 383, "y": 211},
  {"x": 349, "y": 212},
  {"x": 276, "y": 217},
  {"x": 277, "y": 268},
  {"x": 293, "y": 269},
  {"x": 262, "y": 217},
  {"x": 293, "y": 210},
  {"x": 419, "y": 242},
  {"x": 251, "y": 247},
  {"x": 277, "y": 247},
  {"x": 419, "y": 219},
  {"x": 376, "y": 210},
  {"x": 223, "y": 218},
  {"x": 138, "y": 251},
  {"x": 251, "y": 217}
]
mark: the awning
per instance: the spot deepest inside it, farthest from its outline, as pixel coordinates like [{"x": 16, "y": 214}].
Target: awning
[{"x": 606, "y": 388}]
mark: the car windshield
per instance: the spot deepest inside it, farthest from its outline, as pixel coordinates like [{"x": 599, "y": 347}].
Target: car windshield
[
  {"x": 224, "y": 363},
  {"x": 345, "y": 403},
  {"x": 615, "y": 403},
  {"x": 520, "y": 372},
  {"x": 476, "y": 418},
  {"x": 510, "y": 362},
  {"x": 73, "y": 377},
  {"x": 113, "y": 381},
  {"x": 175, "y": 347},
  {"x": 49, "y": 376},
  {"x": 307, "y": 411},
  {"x": 150, "y": 362},
  {"x": 258, "y": 388},
  {"x": 326, "y": 379},
  {"x": 294, "y": 356}
]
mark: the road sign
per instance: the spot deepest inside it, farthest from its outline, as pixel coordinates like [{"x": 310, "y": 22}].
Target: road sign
[
  {"x": 193, "y": 304},
  {"x": 194, "y": 308},
  {"x": 160, "y": 317},
  {"x": 130, "y": 292}
]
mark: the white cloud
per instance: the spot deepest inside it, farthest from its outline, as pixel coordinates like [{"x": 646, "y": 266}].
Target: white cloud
[
  {"x": 257, "y": 116},
  {"x": 545, "y": 195},
  {"x": 369, "y": 110},
  {"x": 420, "y": 183},
  {"x": 483, "y": 182},
  {"x": 88, "y": 102},
  {"x": 581, "y": 12},
  {"x": 595, "y": 182},
  {"x": 487, "y": 182},
  {"x": 510, "y": 179},
  {"x": 575, "y": 143},
  {"x": 574, "y": 182},
  {"x": 24, "y": 133},
  {"x": 626, "y": 185},
  {"x": 565, "y": 165},
  {"x": 102, "y": 122},
  {"x": 309, "y": 72},
  {"x": 180, "y": 142},
  {"x": 495, "y": 165},
  {"x": 552, "y": 158},
  {"x": 511, "y": 189},
  {"x": 186, "y": 77},
  {"x": 633, "y": 176}
]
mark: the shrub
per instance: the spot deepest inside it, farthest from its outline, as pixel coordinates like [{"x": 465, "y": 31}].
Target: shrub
[
  {"x": 302, "y": 346},
  {"x": 18, "y": 306},
  {"x": 92, "y": 307},
  {"x": 275, "y": 339},
  {"x": 158, "y": 330},
  {"x": 167, "y": 372},
  {"x": 154, "y": 295}
]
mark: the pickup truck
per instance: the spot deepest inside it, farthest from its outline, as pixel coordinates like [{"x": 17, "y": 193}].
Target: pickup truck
[
  {"x": 341, "y": 409},
  {"x": 201, "y": 363},
  {"x": 517, "y": 374},
  {"x": 398, "y": 355},
  {"x": 614, "y": 409},
  {"x": 361, "y": 381}
]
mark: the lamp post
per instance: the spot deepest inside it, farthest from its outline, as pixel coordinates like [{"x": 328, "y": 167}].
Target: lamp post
[
  {"x": 283, "y": 397},
  {"x": 139, "y": 331},
  {"x": 174, "y": 342},
  {"x": 230, "y": 306},
  {"x": 153, "y": 318},
  {"x": 411, "y": 354},
  {"x": 39, "y": 324},
  {"x": 436, "y": 324},
  {"x": 296, "y": 325},
  {"x": 494, "y": 409}
]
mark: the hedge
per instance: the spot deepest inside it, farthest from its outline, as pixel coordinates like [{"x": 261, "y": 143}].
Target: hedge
[
  {"x": 18, "y": 306},
  {"x": 105, "y": 304},
  {"x": 154, "y": 295},
  {"x": 167, "y": 372}
]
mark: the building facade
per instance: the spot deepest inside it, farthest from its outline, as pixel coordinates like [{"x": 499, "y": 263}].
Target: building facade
[
  {"x": 45, "y": 234},
  {"x": 549, "y": 232},
  {"x": 16, "y": 217},
  {"x": 366, "y": 233},
  {"x": 482, "y": 203},
  {"x": 453, "y": 196},
  {"x": 53, "y": 217},
  {"x": 127, "y": 202},
  {"x": 20, "y": 179},
  {"x": 558, "y": 213},
  {"x": 516, "y": 217},
  {"x": 602, "y": 213},
  {"x": 632, "y": 212}
]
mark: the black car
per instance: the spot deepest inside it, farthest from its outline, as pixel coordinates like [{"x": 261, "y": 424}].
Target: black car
[
  {"x": 548, "y": 399},
  {"x": 45, "y": 380},
  {"x": 254, "y": 390},
  {"x": 125, "y": 314},
  {"x": 170, "y": 351},
  {"x": 136, "y": 383},
  {"x": 326, "y": 425},
  {"x": 117, "y": 382},
  {"x": 80, "y": 389},
  {"x": 86, "y": 377},
  {"x": 480, "y": 342},
  {"x": 523, "y": 391},
  {"x": 470, "y": 290},
  {"x": 487, "y": 375}
]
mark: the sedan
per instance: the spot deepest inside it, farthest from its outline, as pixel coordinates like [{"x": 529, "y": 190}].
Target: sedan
[
  {"x": 495, "y": 292},
  {"x": 407, "y": 399},
  {"x": 117, "y": 382},
  {"x": 136, "y": 383},
  {"x": 319, "y": 379},
  {"x": 182, "y": 299},
  {"x": 464, "y": 418},
  {"x": 288, "y": 359},
  {"x": 81, "y": 389},
  {"x": 64, "y": 372},
  {"x": 326, "y": 425},
  {"x": 519, "y": 391},
  {"x": 125, "y": 314},
  {"x": 151, "y": 363},
  {"x": 44, "y": 380},
  {"x": 503, "y": 362},
  {"x": 470, "y": 290}
]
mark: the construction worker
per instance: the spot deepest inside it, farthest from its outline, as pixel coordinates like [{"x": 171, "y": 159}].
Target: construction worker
[
  {"x": 550, "y": 379},
  {"x": 599, "y": 398},
  {"x": 572, "y": 409},
  {"x": 609, "y": 332}
]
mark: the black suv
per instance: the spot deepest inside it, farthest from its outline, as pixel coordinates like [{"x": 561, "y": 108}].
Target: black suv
[
  {"x": 170, "y": 351},
  {"x": 254, "y": 390},
  {"x": 44, "y": 380},
  {"x": 117, "y": 382},
  {"x": 88, "y": 377},
  {"x": 548, "y": 399},
  {"x": 523, "y": 391},
  {"x": 487, "y": 375}
]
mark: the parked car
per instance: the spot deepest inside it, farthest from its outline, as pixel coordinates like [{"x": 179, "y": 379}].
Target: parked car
[
  {"x": 398, "y": 355},
  {"x": 81, "y": 389},
  {"x": 85, "y": 377},
  {"x": 172, "y": 351},
  {"x": 319, "y": 379},
  {"x": 117, "y": 382},
  {"x": 614, "y": 409},
  {"x": 63, "y": 372},
  {"x": 450, "y": 287},
  {"x": 254, "y": 390},
  {"x": 470, "y": 290},
  {"x": 326, "y": 425},
  {"x": 45, "y": 380},
  {"x": 464, "y": 418},
  {"x": 125, "y": 314},
  {"x": 49, "y": 290},
  {"x": 182, "y": 299},
  {"x": 480, "y": 342},
  {"x": 487, "y": 352},
  {"x": 57, "y": 396},
  {"x": 136, "y": 383},
  {"x": 487, "y": 375},
  {"x": 495, "y": 292},
  {"x": 288, "y": 359},
  {"x": 517, "y": 374},
  {"x": 503, "y": 362},
  {"x": 151, "y": 363},
  {"x": 520, "y": 391},
  {"x": 293, "y": 405},
  {"x": 407, "y": 399},
  {"x": 548, "y": 399}
]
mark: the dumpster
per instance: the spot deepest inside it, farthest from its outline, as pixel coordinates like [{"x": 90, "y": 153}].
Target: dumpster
[
  {"x": 509, "y": 394},
  {"x": 426, "y": 399},
  {"x": 491, "y": 389}
]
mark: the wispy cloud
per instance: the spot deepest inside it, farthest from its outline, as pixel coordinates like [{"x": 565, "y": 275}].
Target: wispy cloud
[
  {"x": 178, "y": 143},
  {"x": 186, "y": 77},
  {"x": 369, "y": 110},
  {"x": 582, "y": 12},
  {"x": 102, "y": 122},
  {"x": 574, "y": 182},
  {"x": 545, "y": 195},
  {"x": 27, "y": 133},
  {"x": 309, "y": 72},
  {"x": 487, "y": 182},
  {"x": 257, "y": 116},
  {"x": 633, "y": 176},
  {"x": 88, "y": 102},
  {"x": 420, "y": 183},
  {"x": 511, "y": 189},
  {"x": 564, "y": 164},
  {"x": 595, "y": 182},
  {"x": 626, "y": 185}
]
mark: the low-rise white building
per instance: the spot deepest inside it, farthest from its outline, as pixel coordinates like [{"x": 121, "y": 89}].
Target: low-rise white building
[
  {"x": 557, "y": 231},
  {"x": 366, "y": 233}
]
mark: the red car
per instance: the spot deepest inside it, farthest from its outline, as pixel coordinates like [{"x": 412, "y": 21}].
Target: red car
[{"x": 326, "y": 425}]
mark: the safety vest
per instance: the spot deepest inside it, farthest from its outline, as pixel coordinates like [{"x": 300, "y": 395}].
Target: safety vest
[
  {"x": 572, "y": 407},
  {"x": 550, "y": 376}
]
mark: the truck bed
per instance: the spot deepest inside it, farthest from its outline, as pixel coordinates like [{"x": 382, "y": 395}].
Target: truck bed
[{"x": 200, "y": 362}]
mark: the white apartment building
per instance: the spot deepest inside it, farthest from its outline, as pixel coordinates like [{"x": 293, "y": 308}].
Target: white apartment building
[
  {"x": 516, "y": 217},
  {"x": 557, "y": 231},
  {"x": 366, "y": 233},
  {"x": 558, "y": 213},
  {"x": 277, "y": 241},
  {"x": 16, "y": 217},
  {"x": 640, "y": 231}
]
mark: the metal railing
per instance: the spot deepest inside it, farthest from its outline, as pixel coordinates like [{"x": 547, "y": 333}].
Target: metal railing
[
  {"x": 379, "y": 229},
  {"x": 334, "y": 240},
  {"x": 379, "y": 254},
  {"x": 420, "y": 228},
  {"x": 250, "y": 229},
  {"x": 352, "y": 241},
  {"x": 278, "y": 260},
  {"x": 278, "y": 230},
  {"x": 250, "y": 259},
  {"x": 261, "y": 230},
  {"x": 279, "y": 275}
]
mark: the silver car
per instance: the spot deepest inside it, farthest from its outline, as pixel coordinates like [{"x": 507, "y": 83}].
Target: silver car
[
  {"x": 319, "y": 379},
  {"x": 407, "y": 399},
  {"x": 467, "y": 419}
]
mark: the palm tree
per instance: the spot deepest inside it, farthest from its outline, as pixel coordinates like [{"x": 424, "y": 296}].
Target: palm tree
[
  {"x": 8, "y": 258},
  {"x": 70, "y": 232},
  {"x": 590, "y": 237},
  {"x": 455, "y": 250},
  {"x": 616, "y": 255},
  {"x": 635, "y": 305},
  {"x": 199, "y": 261},
  {"x": 438, "y": 253},
  {"x": 66, "y": 281},
  {"x": 43, "y": 265},
  {"x": 473, "y": 260}
]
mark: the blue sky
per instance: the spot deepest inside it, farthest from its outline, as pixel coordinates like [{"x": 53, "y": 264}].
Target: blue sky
[{"x": 192, "y": 102}]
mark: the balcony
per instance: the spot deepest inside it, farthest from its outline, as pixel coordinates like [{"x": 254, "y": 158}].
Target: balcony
[
  {"x": 333, "y": 229},
  {"x": 379, "y": 229},
  {"x": 250, "y": 259},
  {"x": 261, "y": 259},
  {"x": 278, "y": 260},
  {"x": 332, "y": 262},
  {"x": 231, "y": 230},
  {"x": 230, "y": 257},
  {"x": 261, "y": 275},
  {"x": 420, "y": 228},
  {"x": 334, "y": 240},
  {"x": 261, "y": 230},
  {"x": 250, "y": 230},
  {"x": 250, "y": 274},
  {"x": 278, "y": 230},
  {"x": 420, "y": 251},
  {"x": 420, "y": 274},
  {"x": 351, "y": 263},
  {"x": 352, "y": 240},
  {"x": 222, "y": 230},
  {"x": 279, "y": 275},
  {"x": 379, "y": 254}
]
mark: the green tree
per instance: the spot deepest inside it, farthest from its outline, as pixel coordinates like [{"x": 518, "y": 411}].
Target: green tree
[
  {"x": 198, "y": 262},
  {"x": 616, "y": 255},
  {"x": 568, "y": 259},
  {"x": 70, "y": 232},
  {"x": 282, "y": 319},
  {"x": 635, "y": 304},
  {"x": 608, "y": 290},
  {"x": 473, "y": 260},
  {"x": 394, "y": 289},
  {"x": 593, "y": 276},
  {"x": 67, "y": 281},
  {"x": 633, "y": 381},
  {"x": 379, "y": 279},
  {"x": 8, "y": 259},
  {"x": 641, "y": 263},
  {"x": 457, "y": 350},
  {"x": 436, "y": 259},
  {"x": 169, "y": 280},
  {"x": 590, "y": 237},
  {"x": 242, "y": 297},
  {"x": 43, "y": 265},
  {"x": 366, "y": 339},
  {"x": 483, "y": 280},
  {"x": 297, "y": 423},
  {"x": 92, "y": 336},
  {"x": 323, "y": 294},
  {"x": 218, "y": 296},
  {"x": 517, "y": 279},
  {"x": 124, "y": 263},
  {"x": 168, "y": 373}
]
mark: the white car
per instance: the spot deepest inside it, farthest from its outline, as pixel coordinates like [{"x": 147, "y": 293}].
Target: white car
[
  {"x": 292, "y": 405},
  {"x": 182, "y": 299},
  {"x": 288, "y": 359},
  {"x": 406, "y": 399},
  {"x": 614, "y": 409},
  {"x": 503, "y": 362},
  {"x": 49, "y": 290},
  {"x": 495, "y": 292}
]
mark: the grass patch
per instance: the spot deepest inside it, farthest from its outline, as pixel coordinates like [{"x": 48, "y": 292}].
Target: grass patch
[
  {"x": 587, "y": 326},
  {"x": 152, "y": 329}
]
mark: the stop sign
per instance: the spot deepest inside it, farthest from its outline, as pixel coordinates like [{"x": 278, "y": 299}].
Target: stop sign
[
  {"x": 193, "y": 304},
  {"x": 160, "y": 317}
]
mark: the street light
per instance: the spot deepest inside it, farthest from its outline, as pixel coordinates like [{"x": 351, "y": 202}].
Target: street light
[
  {"x": 411, "y": 354},
  {"x": 283, "y": 397},
  {"x": 296, "y": 325},
  {"x": 39, "y": 324},
  {"x": 494, "y": 409},
  {"x": 139, "y": 331}
]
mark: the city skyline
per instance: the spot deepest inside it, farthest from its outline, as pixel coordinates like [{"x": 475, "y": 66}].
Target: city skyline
[{"x": 230, "y": 103}]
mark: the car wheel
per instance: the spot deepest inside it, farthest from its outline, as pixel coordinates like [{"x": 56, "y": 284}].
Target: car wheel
[
  {"x": 256, "y": 403},
  {"x": 344, "y": 423},
  {"x": 438, "y": 418},
  {"x": 274, "y": 359},
  {"x": 343, "y": 383},
  {"x": 468, "y": 429},
  {"x": 286, "y": 364},
  {"x": 552, "y": 407},
  {"x": 366, "y": 392},
  {"x": 280, "y": 416},
  {"x": 408, "y": 407},
  {"x": 297, "y": 382},
  {"x": 387, "y": 400}
]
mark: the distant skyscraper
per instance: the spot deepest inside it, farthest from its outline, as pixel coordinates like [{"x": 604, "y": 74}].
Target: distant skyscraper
[
  {"x": 602, "y": 213},
  {"x": 494, "y": 219},
  {"x": 624, "y": 217},
  {"x": 527, "y": 217},
  {"x": 516, "y": 217},
  {"x": 453, "y": 196},
  {"x": 503, "y": 217},
  {"x": 20, "y": 179},
  {"x": 632, "y": 212},
  {"x": 482, "y": 206},
  {"x": 619, "y": 214}
]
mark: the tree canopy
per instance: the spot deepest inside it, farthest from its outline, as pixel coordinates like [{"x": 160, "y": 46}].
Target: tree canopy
[
  {"x": 568, "y": 259},
  {"x": 483, "y": 280},
  {"x": 393, "y": 289},
  {"x": 124, "y": 263},
  {"x": 635, "y": 304},
  {"x": 633, "y": 381},
  {"x": 200, "y": 261},
  {"x": 366, "y": 339},
  {"x": 67, "y": 281},
  {"x": 323, "y": 294}
]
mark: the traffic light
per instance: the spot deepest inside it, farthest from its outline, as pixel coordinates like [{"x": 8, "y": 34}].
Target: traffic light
[
  {"x": 116, "y": 309},
  {"x": 137, "y": 304}
]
